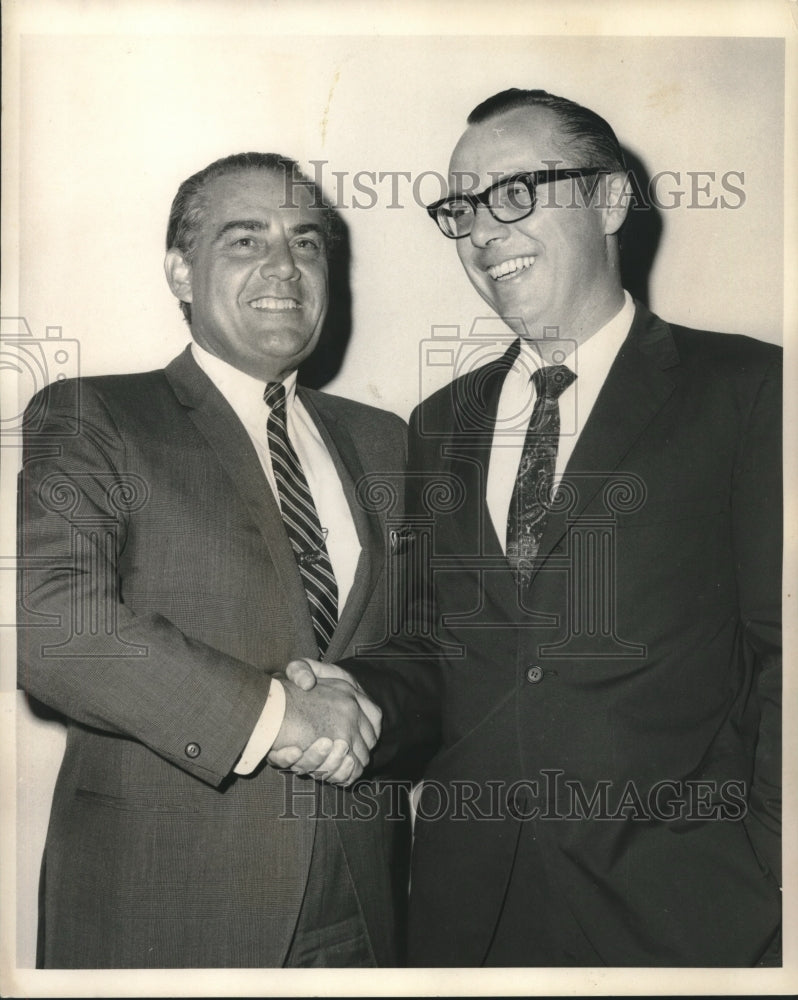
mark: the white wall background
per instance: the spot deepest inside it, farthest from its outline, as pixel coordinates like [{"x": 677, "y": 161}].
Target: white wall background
[
  {"x": 117, "y": 122},
  {"x": 111, "y": 122}
]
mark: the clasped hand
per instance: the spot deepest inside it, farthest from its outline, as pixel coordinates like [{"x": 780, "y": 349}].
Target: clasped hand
[{"x": 330, "y": 725}]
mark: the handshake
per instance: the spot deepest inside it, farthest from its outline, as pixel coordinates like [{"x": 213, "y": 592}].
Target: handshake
[{"x": 330, "y": 725}]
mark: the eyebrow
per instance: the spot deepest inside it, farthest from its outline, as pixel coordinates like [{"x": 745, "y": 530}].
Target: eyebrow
[
  {"x": 306, "y": 227},
  {"x": 498, "y": 178},
  {"x": 257, "y": 226},
  {"x": 250, "y": 225}
]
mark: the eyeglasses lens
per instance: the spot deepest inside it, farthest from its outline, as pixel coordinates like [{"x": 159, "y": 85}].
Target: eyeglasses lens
[
  {"x": 514, "y": 200},
  {"x": 509, "y": 201},
  {"x": 456, "y": 218}
]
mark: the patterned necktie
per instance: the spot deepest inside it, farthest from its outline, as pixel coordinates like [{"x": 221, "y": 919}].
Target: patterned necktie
[
  {"x": 531, "y": 497},
  {"x": 301, "y": 521}
]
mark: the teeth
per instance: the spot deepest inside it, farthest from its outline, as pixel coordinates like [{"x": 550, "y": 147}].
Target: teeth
[
  {"x": 510, "y": 267},
  {"x": 278, "y": 305}
]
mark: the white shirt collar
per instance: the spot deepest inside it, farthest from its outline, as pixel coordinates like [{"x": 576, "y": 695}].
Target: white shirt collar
[
  {"x": 243, "y": 392},
  {"x": 594, "y": 357}
]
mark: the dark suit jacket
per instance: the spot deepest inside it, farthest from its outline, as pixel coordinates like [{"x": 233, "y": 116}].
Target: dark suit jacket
[
  {"x": 158, "y": 593},
  {"x": 631, "y": 694}
]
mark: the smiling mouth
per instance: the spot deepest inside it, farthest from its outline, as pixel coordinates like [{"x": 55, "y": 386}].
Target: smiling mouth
[
  {"x": 509, "y": 268},
  {"x": 271, "y": 304}
]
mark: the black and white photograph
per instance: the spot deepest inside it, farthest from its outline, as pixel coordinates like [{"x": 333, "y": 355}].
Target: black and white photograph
[{"x": 396, "y": 462}]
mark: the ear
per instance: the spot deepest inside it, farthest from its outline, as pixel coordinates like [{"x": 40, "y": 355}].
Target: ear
[
  {"x": 178, "y": 274},
  {"x": 619, "y": 192}
]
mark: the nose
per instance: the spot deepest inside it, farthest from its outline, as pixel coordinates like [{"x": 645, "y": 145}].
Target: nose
[
  {"x": 279, "y": 262},
  {"x": 485, "y": 228}
]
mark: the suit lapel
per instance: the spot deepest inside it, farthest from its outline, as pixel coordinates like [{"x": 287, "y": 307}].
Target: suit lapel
[
  {"x": 475, "y": 404},
  {"x": 343, "y": 451},
  {"x": 230, "y": 443},
  {"x": 636, "y": 388}
]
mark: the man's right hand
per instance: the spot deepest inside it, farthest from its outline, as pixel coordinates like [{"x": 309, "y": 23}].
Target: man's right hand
[{"x": 328, "y": 730}]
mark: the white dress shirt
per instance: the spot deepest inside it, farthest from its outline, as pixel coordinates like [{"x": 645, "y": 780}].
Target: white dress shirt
[
  {"x": 245, "y": 395},
  {"x": 591, "y": 362}
]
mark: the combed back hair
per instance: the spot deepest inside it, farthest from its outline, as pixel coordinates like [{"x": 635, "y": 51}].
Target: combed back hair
[
  {"x": 587, "y": 133},
  {"x": 190, "y": 202}
]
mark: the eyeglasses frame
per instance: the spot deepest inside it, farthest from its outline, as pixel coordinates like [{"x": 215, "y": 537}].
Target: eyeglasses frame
[{"x": 535, "y": 176}]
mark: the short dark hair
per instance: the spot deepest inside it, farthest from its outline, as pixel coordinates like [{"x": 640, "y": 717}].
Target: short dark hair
[
  {"x": 189, "y": 205},
  {"x": 581, "y": 128}
]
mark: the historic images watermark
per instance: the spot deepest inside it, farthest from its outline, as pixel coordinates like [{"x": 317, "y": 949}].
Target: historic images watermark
[
  {"x": 586, "y": 557},
  {"x": 362, "y": 190},
  {"x": 28, "y": 363},
  {"x": 587, "y": 624},
  {"x": 549, "y": 796}
]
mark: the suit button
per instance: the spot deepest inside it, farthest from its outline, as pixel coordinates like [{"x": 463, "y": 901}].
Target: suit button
[
  {"x": 534, "y": 674},
  {"x": 192, "y": 750}
]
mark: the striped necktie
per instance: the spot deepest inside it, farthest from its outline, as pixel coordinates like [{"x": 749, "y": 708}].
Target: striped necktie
[
  {"x": 301, "y": 521},
  {"x": 531, "y": 499}
]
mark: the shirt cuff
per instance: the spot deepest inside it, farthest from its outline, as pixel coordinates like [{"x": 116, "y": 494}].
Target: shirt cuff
[{"x": 265, "y": 732}]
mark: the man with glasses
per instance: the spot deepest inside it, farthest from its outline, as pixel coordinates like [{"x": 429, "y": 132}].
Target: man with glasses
[{"x": 605, "y": 586}]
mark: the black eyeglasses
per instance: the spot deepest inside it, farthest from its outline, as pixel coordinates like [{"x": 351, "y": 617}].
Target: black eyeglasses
[{"x": 508, "y": 200}]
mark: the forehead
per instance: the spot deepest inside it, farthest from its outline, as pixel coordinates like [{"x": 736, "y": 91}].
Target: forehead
[
  {"x": 523, "y": 139},
  {"x": 257, "y": 195}
]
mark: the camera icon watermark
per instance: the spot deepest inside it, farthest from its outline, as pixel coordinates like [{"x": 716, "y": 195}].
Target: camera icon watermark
[
  {"x": 27, "y": 365},
  {"x": 472, "y": 361}
]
